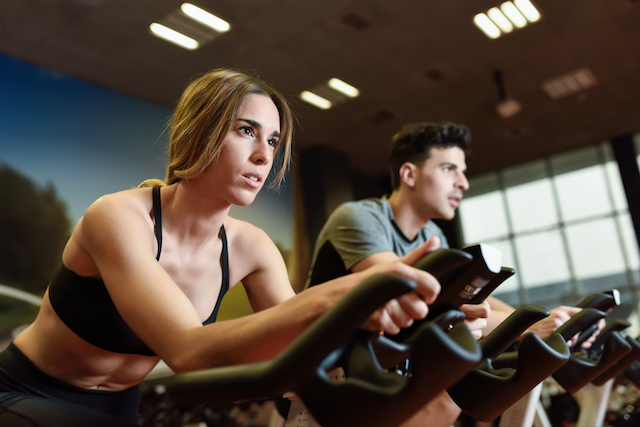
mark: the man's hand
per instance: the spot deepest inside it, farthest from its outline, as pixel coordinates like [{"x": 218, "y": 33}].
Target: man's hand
[
  {"x": 476, "y": 317},
  {"x": 421, "y": 251},
  {"x": 559, "y": 315}
]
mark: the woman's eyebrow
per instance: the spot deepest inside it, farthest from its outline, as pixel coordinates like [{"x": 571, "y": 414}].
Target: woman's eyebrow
[{"x": 259, "y": 126}]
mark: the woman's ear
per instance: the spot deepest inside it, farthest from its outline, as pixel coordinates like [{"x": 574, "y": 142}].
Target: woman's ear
[{"x": 408, "y": 174}]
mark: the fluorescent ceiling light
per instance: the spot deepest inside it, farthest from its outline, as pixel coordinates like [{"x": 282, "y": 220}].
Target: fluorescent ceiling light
[
  {"x": 513, "y": 14},
  {"x": 173, "y": 36},
  {"x": 500, "y": 20},
  {"x": 570, "y": 83},
  {"x": 205, "y": 18},
  {"x": 528, "y": 10},
  {"x": 315, "y": 100},
  {"x": 344, "y": 88},
  {"x": 487, "y": 26}
]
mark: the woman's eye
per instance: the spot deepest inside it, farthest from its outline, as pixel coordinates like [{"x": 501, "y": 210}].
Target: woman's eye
[
  {"x": 246, "y": 130},
  {"x": 273, "y": 142}
]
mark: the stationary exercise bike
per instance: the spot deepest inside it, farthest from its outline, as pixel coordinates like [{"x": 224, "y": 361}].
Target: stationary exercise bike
[{"x": 440, "y": 350}]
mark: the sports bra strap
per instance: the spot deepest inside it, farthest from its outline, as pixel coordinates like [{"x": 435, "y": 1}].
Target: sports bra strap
[{"x": 157, "y": 216}]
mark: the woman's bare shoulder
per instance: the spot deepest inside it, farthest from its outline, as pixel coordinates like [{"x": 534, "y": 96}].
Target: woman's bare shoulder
[
  {"x": 248, "y": 239},
  {"x": 243, "y": 231},
  {"x": 110, "y": 220},
  {"x": 136, "y": 199}
]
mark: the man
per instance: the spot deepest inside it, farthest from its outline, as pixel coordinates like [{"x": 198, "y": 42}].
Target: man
[{"x": 427, "y": 166}]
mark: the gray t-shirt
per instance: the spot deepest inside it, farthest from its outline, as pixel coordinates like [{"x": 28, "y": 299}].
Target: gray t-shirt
[{"x": 356, "y": 230}]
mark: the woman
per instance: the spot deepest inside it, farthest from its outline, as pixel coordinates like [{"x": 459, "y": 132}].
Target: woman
[{"x": 144, "y": 271}]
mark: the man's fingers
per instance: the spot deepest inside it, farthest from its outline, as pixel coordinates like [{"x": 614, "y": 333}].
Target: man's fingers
[
  {"x": 421, "y": 251},
  {"x": 471, "y": 311}
]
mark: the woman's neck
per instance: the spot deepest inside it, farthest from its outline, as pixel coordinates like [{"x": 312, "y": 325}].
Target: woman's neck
[{"x": 190, "y": 213}]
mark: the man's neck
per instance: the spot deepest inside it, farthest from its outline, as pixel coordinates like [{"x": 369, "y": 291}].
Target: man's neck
[{"x": 405, "y": 215}]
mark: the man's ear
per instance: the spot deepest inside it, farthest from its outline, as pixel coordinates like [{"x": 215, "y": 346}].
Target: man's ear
[{"x": 408, "y": 174}]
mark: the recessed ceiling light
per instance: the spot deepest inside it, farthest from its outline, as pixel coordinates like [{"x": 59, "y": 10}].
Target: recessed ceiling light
[
  {"x": 514, "y": 15},
  {"x": 570, "y": 83},
  {"x": 528, "y": 10},
  {"x": 173, "y": 36},
  {"x": 344, "y": 88},
  {"x": 487, "y": 26},
  {"x": 501, "y": 20},
  {"x": 315, "y": 100},
  {"x": 205, "y": 18}
]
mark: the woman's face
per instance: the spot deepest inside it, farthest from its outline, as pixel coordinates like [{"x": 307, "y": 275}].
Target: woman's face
[{"x": 247, "y": 154}]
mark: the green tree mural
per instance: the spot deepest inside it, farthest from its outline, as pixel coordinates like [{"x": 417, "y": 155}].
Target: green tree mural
[{"x": 34, "y": 227}]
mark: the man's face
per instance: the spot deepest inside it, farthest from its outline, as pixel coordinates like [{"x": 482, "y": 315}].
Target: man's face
[{"x": 440, "y": 183}]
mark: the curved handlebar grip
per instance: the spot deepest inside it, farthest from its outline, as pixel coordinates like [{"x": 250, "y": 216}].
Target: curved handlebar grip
[
  {"x": 580, "y": 371},
  {"x": 507, "y": 332},
  {"x": 633, "y": 373},
  {"x": 616, "y": 325},
  {"x": 443, "y": 261},
  {"x": 461, "y": 285},
  {"x": 374, "y": 398},
  {"x": 621, "y": 365},
  {"x": 297, "y": 365},
  {"x": 391, "y": 353},
  {"x": 537, "y": 359},
  {"x": 504, "y": 274},
  {"x": 602, "y": 301},
  {"x": 462, "y": 274},
  {"x": 579, "y": 321}
]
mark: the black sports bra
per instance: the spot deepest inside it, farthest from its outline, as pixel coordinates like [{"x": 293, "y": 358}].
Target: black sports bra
[{"x": 85, "y": 306}]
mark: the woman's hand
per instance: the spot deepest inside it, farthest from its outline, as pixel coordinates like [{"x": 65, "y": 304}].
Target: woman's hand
[{"x": 402, "y": 311}]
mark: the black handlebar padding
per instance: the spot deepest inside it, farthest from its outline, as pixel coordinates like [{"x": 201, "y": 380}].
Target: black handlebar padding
[
  {"x": 605, "y": 302},
  {"x": 462, "y": 274},
  {"x": 602, "y": 301},
  {"x": 509, "y": 330},
  {"x": 372, "y": 397},
  {"x": 633, "y": 373},
  {"x": 621, "y": 365},
  {"x": 579, "y": 371},
  {"x": 616, "y": 325},
  {"x": 296, "y": 366},
  {"x": 438, "y": 359},
  {"x": 537, "y": 359},
  {"x": 503, "y": 275},
  {"x": 579, "y": 322}
]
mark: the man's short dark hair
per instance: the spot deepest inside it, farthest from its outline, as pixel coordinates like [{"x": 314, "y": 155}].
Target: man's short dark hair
[{"x": 415, "y": 140}]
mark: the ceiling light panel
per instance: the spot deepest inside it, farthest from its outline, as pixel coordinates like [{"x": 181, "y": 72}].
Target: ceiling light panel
[
  {"x": 315, "y": 100},
  {"x": 330, "y": 94},
  {"x": 173, "y": 36},
  {"x": 194, "y": 23},
  {"x": 501, "y": 20},
  {"x": 205, "y": 18},
  {"x": 343, "y": 87},
  {"x": 570, "y": 83}
]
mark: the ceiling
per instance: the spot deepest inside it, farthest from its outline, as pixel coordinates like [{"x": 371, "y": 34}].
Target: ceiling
[{"x": 413, "y": 60}]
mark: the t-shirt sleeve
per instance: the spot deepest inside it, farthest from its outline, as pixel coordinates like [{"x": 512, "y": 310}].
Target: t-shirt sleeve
[{"x": 356, "y": 232}]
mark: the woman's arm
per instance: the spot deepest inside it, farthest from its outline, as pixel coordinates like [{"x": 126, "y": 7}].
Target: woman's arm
[
  {"x": 265, "y": 277},
  {"x": 117, "y": 236}
]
